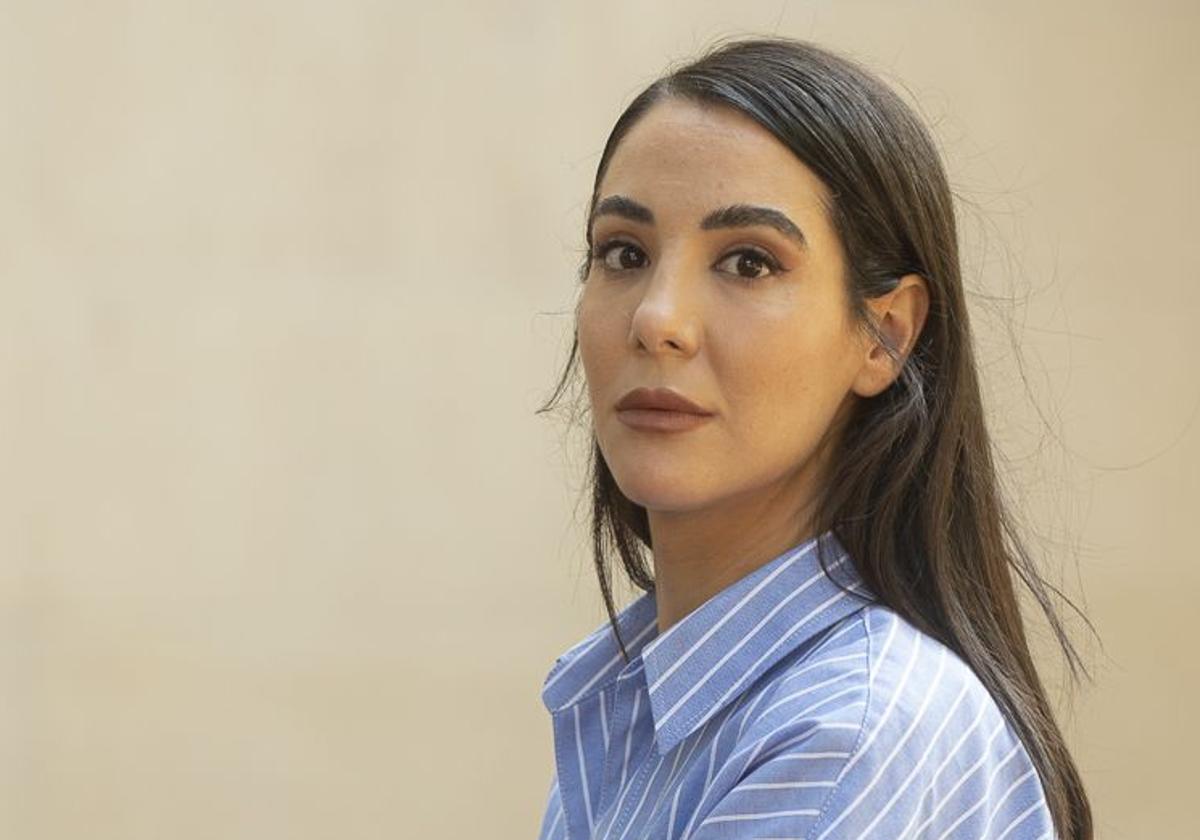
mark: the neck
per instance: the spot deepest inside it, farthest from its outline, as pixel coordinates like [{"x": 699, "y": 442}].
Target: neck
[{"x": 700, "y": 552}]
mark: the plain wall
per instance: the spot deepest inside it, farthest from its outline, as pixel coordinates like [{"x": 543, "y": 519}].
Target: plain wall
[{"x": 284, "y": 550}]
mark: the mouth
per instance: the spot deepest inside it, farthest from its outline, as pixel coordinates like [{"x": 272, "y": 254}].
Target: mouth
[
  {"x": 661, "y": 420},
  {"x": 661, "y": 410},
  {"x": 660, "y": 399}
]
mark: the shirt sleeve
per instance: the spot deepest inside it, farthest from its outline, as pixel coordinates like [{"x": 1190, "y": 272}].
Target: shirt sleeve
[{"x": 937, "y": 762}]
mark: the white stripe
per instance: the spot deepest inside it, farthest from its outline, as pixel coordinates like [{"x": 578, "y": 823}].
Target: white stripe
[
  {"x": 554, "y": 823},
  {"x": 629, "y": 737},
  {"x": 711, "y": 756},
  {"x": 1019, "y": 817},
  {"x": 674, "y": 807},
  {"x": 887, "y": 644},
  {"x": 603, "y": 720},
  {"x": 813, "y": 756},
  {"x": 767, "y": 815},
  {"x": 798, "y": 739},
  {"x": 803, "y": 736},
  {"x": 633, "y": 671}
]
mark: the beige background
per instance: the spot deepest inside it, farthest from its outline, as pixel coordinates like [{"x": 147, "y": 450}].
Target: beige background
[{"x": 284, "y": 551}]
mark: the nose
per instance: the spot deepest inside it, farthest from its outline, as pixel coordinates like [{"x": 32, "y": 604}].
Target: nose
[{"x": 666, "y": 319}]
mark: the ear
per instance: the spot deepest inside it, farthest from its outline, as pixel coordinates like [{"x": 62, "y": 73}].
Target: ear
[{"x": 899, "y": 314}]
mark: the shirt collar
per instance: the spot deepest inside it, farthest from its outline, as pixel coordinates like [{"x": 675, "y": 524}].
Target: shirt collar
[{"x": 711, "y": 655}]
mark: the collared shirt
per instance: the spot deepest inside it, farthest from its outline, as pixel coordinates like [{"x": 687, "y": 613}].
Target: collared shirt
[{"x": 782, "y": 707}]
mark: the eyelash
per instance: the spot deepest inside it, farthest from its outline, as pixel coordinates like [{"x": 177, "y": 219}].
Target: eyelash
[{"x": 601, "y": 251}]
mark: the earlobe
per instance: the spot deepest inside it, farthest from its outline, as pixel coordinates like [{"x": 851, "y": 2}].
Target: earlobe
[{"x": 899, "y": 315}]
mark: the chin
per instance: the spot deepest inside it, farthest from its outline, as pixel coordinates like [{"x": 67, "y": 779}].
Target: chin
[{"x": 662, "y": 491}]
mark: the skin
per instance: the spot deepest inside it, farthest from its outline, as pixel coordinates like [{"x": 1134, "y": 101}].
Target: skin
[{"x": 772, "y": 352}]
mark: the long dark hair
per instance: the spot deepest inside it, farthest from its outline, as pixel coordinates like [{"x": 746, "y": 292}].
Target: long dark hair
[{"x": 916, "y": 501}]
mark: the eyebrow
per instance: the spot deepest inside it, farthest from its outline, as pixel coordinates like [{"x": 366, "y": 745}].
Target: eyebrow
[{"x": 732, "y": 216}]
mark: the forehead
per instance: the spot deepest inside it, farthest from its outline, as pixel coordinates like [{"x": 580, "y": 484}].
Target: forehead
[{"x": 686, "y": 157}]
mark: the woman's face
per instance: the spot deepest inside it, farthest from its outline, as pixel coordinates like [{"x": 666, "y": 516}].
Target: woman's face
[{"x": 742, "y": 311}]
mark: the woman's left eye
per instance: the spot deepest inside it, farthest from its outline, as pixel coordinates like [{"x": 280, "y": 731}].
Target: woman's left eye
[{"x": 746, "y": 264}]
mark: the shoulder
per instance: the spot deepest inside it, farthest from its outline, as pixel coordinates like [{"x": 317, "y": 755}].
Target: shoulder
[{"x": 899, "y": 735}]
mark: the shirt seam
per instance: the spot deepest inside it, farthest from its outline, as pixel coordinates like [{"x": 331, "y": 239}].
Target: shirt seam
[
  {"x": 558, "y": 766},
  {"x": 608, "y": 749},
  {"x": 858, "y": 741}
]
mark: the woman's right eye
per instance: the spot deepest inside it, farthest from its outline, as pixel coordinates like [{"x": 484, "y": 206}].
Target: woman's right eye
[{"x": 618, "y": 255}]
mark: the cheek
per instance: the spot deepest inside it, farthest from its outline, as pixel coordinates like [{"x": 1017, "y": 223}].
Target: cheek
[
  {"x": 599, "y": 341},
  {"x": 787, "y": 381}
]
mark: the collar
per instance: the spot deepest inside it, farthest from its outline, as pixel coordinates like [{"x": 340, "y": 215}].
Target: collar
[{"x": 711, "y": 655}]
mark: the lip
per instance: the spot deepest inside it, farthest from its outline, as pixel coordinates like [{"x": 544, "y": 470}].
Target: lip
[
  {"x": 660, "y": 399},
  {"x": 657, "y": 420},
  {"x": 660, "y": 410}
]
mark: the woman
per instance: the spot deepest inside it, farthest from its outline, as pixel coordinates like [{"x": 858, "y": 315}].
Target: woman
[{"x": 786, "y": 413}]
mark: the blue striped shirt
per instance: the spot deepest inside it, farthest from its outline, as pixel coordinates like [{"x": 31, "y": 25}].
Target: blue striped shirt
[{"x": 782, "y": 707}]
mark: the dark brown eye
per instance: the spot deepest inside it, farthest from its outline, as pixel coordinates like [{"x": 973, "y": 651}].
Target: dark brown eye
[
  {"x": 748, "y": 263},
  {"x": 620, "y": 256}
]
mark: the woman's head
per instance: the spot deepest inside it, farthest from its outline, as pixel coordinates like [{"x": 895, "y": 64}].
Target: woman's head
[
  {"x": 715, "y": 270},
  {"x": 844, "y": 372},
  {"x": 837, "y": 359}
]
